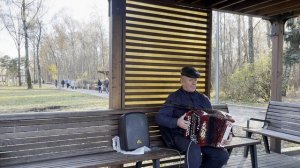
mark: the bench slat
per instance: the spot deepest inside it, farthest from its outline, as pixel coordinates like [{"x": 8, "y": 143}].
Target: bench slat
[
  {"x": 61, "y": 137},
  {"x": 57, "y": 120},
  {"x": 275, "y": 134},
  {"x": 57, "y": 132},
  {"x": 57, "y": 126},
  {"x": 58, "y": 143},
  {"x": 97, "y": 160}
]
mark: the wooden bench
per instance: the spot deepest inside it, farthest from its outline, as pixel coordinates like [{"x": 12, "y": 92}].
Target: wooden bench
[
  {"x": 66, "y": 139},
  {"x": 282, "y": 121},
  {"x": 81, "y": 140}
]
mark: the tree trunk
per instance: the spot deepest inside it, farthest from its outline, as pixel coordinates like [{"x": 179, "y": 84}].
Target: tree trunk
[
  {"x": 39, "y": 67},
  {"x": 38, "y": 56},
  {"x": 285, "y": 81},
  {"x": 269, "y": 35},
  {"x": 19, "y": 66},
  {"x": 34, "y": 64},
  {"x": 251, "y": 51},
  {"x": 245, "y": 42},
  {"x": 250, "y": 37},
  {"x": 239, "y": 41},
  {"x": 28, "y": 77}
]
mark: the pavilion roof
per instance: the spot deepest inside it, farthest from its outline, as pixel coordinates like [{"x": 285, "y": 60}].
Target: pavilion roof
[{"x": 267, "y": 9}]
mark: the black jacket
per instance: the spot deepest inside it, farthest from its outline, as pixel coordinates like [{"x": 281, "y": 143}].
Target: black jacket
[{"x": 178, "y": 103}]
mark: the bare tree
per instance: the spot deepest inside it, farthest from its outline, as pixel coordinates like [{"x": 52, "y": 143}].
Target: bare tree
[
  {"x": 52, "y": 50},
  {"x": 38, "y": 51},
  {"x": 268, "y": 27},
  {"x": 78, "y": 50},
  {"x": 239, "y": 54},
  {"x": 11, "y": 19},
  {"x": 27, "y": 19},
  {"x": 28, "y": 11},
  {"x": 35, "y": 34},
  {"x": 234, "y": 40},
  {"x": 250, "y": 38}
]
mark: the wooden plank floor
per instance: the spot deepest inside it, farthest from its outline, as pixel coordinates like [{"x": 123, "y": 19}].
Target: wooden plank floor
[{"x": 272, "y": 160}]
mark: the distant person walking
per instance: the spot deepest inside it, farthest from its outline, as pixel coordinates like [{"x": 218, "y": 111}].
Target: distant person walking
[
  {"x": 55, "y": 83},
  {"x": 68, "y": 83},
  {"x": 106, "y": 83},
  {"x": 72, "y": 84},
  {"x": 63, "y": 83},
  {"x": 99, "y": 86}
]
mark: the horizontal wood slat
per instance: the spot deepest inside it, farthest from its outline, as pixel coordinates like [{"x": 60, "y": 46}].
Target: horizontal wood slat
[
  {"x": 159, "y": 41},
  {"x": 173, "y": 26},
  {"x": 167, "y": 11},
  {"x": 136, "y": 25}
]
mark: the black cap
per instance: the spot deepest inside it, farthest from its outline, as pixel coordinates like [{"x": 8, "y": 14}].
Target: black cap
[{"x": 190, "y": 72}]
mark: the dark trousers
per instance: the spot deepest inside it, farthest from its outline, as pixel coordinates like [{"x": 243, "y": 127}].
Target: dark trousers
[{"x": 211, "y": 157}]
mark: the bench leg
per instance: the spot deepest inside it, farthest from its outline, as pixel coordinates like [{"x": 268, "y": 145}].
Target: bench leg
[
  {"x": 156, "y": 163},
  {"x": 266, "y": 143},
  {"x": 253, "y": 153},
  {"x": 246, "y": 149},
  {"x": 138, "y": 164}
]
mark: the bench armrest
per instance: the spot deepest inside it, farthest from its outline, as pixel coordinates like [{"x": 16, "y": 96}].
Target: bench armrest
[{"x": 266, "y": 122}]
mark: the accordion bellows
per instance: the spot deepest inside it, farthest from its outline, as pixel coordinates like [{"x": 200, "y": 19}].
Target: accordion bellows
[{"x": 208, "y": 129}]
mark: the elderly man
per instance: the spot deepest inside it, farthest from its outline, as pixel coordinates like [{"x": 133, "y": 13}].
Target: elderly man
[{"x": 172, "y": 123}]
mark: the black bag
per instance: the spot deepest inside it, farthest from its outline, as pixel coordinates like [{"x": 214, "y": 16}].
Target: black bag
[{"x": 133, "y": 131}]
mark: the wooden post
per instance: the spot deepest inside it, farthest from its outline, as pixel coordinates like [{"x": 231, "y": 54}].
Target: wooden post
[
  {"x": 117, "y": 15},
  {"x": 209, "y": 50},
  {"x": 276, "y": 83},
  {"x": 116, "y": 34}
]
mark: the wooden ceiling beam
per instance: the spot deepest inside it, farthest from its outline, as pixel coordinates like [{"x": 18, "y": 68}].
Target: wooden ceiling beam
[
  {"x": 248, "y": 4},
  {"x": 286, "y": 6},
  {"x": 198, "y": 2},
  {"x": 228, "y": 4},
  {"x": 185, "y": 1},
  {"x": 266, "y": 9},
  {"x": 264, "y": 6},
  {"x": 179, "y": 1},
  {"x": 284, "y": 10},
  {"x": 214, "y": 3}
]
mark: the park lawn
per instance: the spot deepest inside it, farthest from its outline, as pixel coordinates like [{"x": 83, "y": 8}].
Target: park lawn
[{"x": 47, "y": 98}]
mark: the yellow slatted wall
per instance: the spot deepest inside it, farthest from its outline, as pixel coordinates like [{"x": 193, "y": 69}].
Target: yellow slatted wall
[{"x": 159, "y": 41}]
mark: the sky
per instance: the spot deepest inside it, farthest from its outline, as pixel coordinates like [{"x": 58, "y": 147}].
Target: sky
[{"x": 78, "y": 9}]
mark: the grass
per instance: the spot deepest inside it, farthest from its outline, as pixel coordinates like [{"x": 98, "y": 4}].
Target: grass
[{"x": 48, "y": 98}]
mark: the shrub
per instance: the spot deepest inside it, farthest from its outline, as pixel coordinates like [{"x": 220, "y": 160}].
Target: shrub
[{"x": 251, "y": 82}]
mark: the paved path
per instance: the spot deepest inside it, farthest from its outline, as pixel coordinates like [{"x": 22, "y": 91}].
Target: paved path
[
  {"x": 90, "y": 92},
  {"x": 243, "y": 113}
]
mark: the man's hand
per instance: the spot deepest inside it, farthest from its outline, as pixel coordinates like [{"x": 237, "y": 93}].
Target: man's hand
[
  {"x": 182, "y": 123},
  {"x": 231, "y": 119}
]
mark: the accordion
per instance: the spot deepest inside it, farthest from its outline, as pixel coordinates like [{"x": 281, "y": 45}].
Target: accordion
[{"x": 211, "y": 129}]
